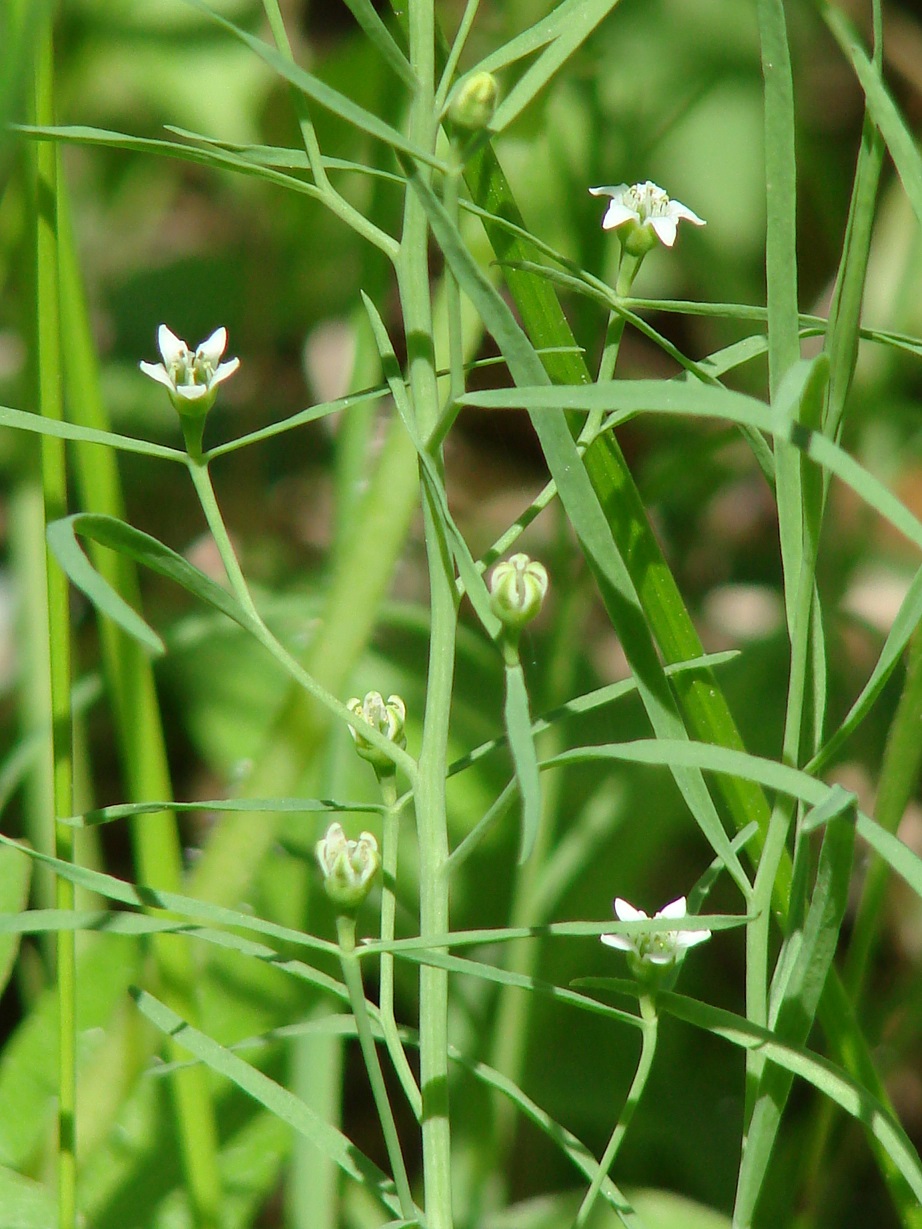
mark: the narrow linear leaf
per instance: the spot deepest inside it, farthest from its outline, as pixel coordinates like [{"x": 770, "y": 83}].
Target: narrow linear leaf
[
  {"x": 698, "y": 401},
  {"x": 324, "y": 95},
  {"x": 834, "y": 1083},
  {"x": 15, "y": 877},
  {"x": 796, "y": 991},
  {"x": 471, "y": 577},
  {"x": 588, "y": 703},
  {"x": 126, "y": 810},
  {"x": 278, "y": 1100},
  {"x": 23, "y": 421},
  {"x": 767, "y": 773},
  {"x": 212, "y": 155},
  {"x": 144, "y": 549},
  {"x": 543, "y": 32},
  {"x": 572, "y": 30},
  {"x": 142, "y": 897},
  {"x": 883, "y": 110},
  {"x": 524, "y": 756},
  {"x": 908, "y": 618}
]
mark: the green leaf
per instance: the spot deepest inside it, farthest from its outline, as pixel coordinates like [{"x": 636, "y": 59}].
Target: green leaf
[
  {"x": 908, "y": 618},
  {"x": 539, "y": 35},
  {"x": 781, "y": 192},
  {"x": 321, "y": 93},
  {"x": 25, "y": 1204},
  {"x": 212, "y": 155},
  {"x": 15, "y": 877},
  {"x": 297, "y": 806},
  {"x": 143, "y": 897},
  {"x": 897, "y": 134},
  {"x": 278, "y": 1100},
  {"x": 846, "y": 1092},
  {"x": 585, "y": 513},
  {"x": 766, "y": 773},
  {"x": 572, "y": 23},
  {"x": 800, "y": 976},
  {"x": 588, "y": 703},
  {"x": 468, "y": 571},
  {"x": 35, "y": 423},
  {"x": 700, "y": 401},
  {"x": 524, "y": 757},
  {"x": 119, "y": 536}
]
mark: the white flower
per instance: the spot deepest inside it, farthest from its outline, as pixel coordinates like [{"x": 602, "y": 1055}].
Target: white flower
[
  {"x": 191, "y": 378},
  {"x": 656, "y": 947},
  {"x": 348, "y": 867},
  {"x": 642, "y": 208}
]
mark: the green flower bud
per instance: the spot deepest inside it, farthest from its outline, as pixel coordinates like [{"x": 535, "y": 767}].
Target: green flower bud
[
  {"x": 388, "y": 718},
  {"x": 517, "y": 589},
  {"x": 474, "y": 103},
  {"x": 348, "y": 867}
]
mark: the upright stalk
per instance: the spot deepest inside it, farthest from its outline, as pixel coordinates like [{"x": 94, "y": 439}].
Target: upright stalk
[
  {"x": 431, "y": 815},
  {"x": 54, "y": 486}
]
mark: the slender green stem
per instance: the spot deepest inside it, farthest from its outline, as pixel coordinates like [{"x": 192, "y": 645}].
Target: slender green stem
[
  {"x": 352, "y": 975},
  {"x": 202, "y": 482},
  {"x": 457, "y": 47},
  {"x": 641, "y": 1075},
  {"x": 431, "y": 806},
  {"x": 432, "y": 827},
  {"x": 201, "y": 479},
  {"x": 628, "y": 269},
  {"x": 331, "y": 198},
  {"x": 54, "y": 486},
  {"x": 390, "y": 840}
]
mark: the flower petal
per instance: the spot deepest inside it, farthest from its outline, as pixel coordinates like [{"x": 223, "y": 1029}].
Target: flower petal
[
  {"x": 171, "y": 346},
  {"x": 665, "y": 229},
  {"x": 191, "y": 392},
  {"x": 627, "y": 913},
  {"x": 687, "y": 215},
  {"x": 157, "y": 372},
  {"x": 621, "y": 942},
  {"x": 688, "y": 938},
  {"x": 675, "y": 909},
  {"x": 213, "y": 347},
  {"x": 615, "y": 190},
  {"x": 617, "y": 214},
  {"x": 225, "y": 370}
]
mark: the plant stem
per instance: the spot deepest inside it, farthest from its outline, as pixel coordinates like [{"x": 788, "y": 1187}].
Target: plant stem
[
  {"x": 431, "y": 808},
  {"x": 352, "y": 975},
  {"x": 54, "y": 486},
  {"x": 644, "y": 1065},
  {"x": 390, "y": 839}
]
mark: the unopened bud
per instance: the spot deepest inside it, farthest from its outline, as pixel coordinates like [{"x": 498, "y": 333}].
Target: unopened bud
[
  {"x": 348, "y": 867},
  {"x": 388, "y": 718},
  {"x": 474, "y": 104},
  {"x": 517, "y": 590}
]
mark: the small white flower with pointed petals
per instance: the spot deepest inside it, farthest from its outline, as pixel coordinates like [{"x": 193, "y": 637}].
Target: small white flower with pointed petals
[
  {"x": 644, "y": 213},
  {"x": 661, "y": 947},
  {"x": 191, "y": 378}
]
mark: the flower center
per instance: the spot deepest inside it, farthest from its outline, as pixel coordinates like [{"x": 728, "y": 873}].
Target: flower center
[
  {"x": 647, "y": 200},
  {"x": 190, "y": 369}
]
